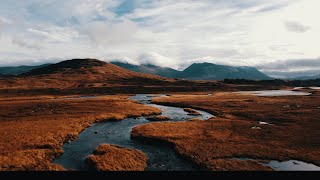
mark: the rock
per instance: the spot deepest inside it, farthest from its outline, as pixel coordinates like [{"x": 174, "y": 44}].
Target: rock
[
  {"x": 158, "y": 118},
  {"x": 256, "y": 127},
  {"x": 191, "y": 112},
  {"x": 263, "y": 123}
]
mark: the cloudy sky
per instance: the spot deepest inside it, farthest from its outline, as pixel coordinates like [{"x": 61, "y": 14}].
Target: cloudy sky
[{"x": 280, "y": 37}]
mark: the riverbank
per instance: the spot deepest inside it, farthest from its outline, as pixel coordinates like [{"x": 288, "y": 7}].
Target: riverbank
[
  {"x": 33, "y": 129},
  {"x": 237, "y": 132}
]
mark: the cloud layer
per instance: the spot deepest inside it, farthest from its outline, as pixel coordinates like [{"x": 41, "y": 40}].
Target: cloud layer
[{"x": 167, "y": 33}]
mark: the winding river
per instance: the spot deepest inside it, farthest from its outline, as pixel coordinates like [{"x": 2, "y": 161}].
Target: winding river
[{"x": 161, "y": 158}]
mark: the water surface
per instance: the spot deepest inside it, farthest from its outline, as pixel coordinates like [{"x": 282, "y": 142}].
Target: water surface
[
  {"x": 275, "y": 93},
  {"x": 292, "y": 165}
]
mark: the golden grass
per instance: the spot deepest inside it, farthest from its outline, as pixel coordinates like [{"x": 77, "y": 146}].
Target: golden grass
[
  {"x": 33, "y": 131},
  {"x": 215, "y": 143},
  {"x": 114, "y": 158},
  {"x": 191, "y": 112}
]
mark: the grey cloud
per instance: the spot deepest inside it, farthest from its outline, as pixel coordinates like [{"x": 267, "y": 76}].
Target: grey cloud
[
  {"x": 291, "y": 68},
  {"x": 25, "y": 43},
  {"x": 1, "y": 26},
  {"x": 292, "y": 74},
  {"x": 101, "y": 33},
  {"x": 291, "y": 64},
  {"x": 296, "y": 27}
]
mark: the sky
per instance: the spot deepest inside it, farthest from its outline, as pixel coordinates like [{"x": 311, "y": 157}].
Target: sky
[{"x": 279, "y": 37}]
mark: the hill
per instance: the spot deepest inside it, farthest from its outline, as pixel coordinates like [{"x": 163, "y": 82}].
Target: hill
[{"x": 87, "y": 73}]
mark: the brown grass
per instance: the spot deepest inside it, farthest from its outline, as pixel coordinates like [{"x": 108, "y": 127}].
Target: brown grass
[
  {"x": 114, "y": 158},
  {"x": 33, "y": 130},
  {"x": 191, "y": 112},
  {"x": 214, "y": 143},
  {"x": 158, "y": 118}
]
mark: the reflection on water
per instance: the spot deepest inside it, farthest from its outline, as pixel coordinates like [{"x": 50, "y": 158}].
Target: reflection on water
[
  {"x": 275, "y": 93},
  {"x": 161, "y": 158},
  {"x": 292, "y": 165},
  {"x": 316, "y": 88}
]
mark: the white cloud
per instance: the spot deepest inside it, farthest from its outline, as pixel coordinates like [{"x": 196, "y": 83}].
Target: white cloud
[
  {"x": 55, "y": 35},
  {"x": 157, "y": 59},
  {"x": 167, "y": 33}
]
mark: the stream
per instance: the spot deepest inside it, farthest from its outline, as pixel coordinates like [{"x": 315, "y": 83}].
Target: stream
[{"x": 161, "y": 158}]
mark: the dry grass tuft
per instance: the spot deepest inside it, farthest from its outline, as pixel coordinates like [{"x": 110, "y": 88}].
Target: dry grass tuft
[
  {"x": 114, "y": 158},
  {"x": 191, "y": 112}
]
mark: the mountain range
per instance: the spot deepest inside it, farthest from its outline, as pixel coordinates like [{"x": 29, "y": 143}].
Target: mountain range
[
  {"x": 308, "y": 77},
  {"x": 19, "y": 69},
  {"x": 196, "y": 71},
  {"x": 85, "y": 76},
  {"x": 200, "y": 71}
]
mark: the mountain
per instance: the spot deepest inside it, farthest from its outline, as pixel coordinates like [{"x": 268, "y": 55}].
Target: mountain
[
  {"x": 19, "y": 69},
  {"x": 200, "y": 71},
  {"x": 83, "y": 76},
  {"x": 208, "y": 71},
  {"x": 307, "y": 77},
  {"x": 87, "y": 73},
  {"x": 149, "y": 69}
]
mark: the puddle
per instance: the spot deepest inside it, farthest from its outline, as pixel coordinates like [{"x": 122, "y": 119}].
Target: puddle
[
  {"x": 292, "y": 165},
  {"x": 275, "y": 93}
]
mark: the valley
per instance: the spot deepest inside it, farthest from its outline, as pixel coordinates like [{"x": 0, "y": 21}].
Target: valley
[{"x": 48, "y": 113}]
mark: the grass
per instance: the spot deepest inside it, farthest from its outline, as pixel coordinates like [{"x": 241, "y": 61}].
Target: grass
[
  {"x": 216, "y": 143},
  {"x": 33, "y": 129},
  {"x": 114, "y": 158},
  {"x": 191, "y": 112}
]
